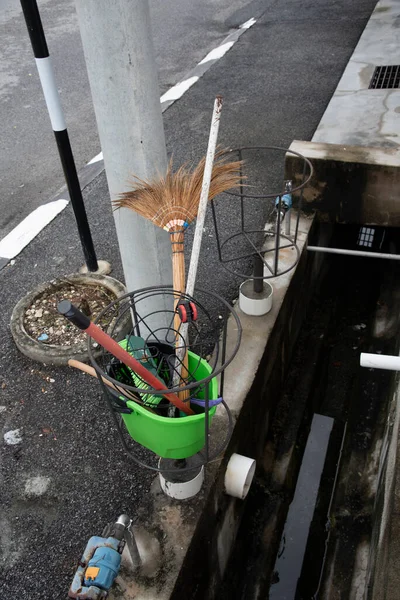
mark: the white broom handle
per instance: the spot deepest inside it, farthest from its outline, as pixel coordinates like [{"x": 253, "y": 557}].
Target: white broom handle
[
  {"x": 198, "y": 234},
  {"x": 205, "y": 190}
]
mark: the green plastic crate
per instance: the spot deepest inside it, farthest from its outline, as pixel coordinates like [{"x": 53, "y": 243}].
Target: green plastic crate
[{"x": 173, "y": 438}]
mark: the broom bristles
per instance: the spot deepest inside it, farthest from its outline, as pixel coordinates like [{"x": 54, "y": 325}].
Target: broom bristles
[{"x": 176, "y": 195}]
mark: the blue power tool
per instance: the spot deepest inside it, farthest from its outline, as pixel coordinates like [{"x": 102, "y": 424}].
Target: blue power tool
[{"x": 100, "y": 562}]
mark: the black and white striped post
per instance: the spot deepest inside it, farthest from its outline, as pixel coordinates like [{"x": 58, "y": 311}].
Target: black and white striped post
[{"x": 51, "y": 95}]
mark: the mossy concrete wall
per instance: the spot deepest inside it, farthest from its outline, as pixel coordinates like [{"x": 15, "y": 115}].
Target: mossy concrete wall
[
  {"x": 383, "y": 571},
  {"x": 351, "y": 184},
  {"x": 213, "y": 539}
]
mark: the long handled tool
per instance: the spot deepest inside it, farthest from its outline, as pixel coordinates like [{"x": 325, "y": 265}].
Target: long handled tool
[
  {"x": 171, "y": 202},
  {"x": 198, "y": 234},
  {"x": 77, "y": 364},
  {"x": 75, "y": 316},
  {"x": 204, "y": 195}
]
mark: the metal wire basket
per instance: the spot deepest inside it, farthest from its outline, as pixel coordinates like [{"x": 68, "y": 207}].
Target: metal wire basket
[
  {"x": 142, "y": 414},
  {"x": 252, "y": 246}
]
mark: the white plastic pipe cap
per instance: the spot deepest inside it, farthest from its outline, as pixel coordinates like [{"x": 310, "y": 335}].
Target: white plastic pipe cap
[
  {"x": 380, "y": 361},
  {"x": 239, "y": 475}
]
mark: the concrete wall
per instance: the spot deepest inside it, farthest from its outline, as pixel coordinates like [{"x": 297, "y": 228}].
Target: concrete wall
[
  {"x": 213, "y": 539},
  {"x": 351, "y": 184},
  {"x": 383, "y": 575}
]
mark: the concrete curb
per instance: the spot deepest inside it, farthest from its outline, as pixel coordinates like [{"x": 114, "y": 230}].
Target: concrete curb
[{"x": 49, "y": 353}]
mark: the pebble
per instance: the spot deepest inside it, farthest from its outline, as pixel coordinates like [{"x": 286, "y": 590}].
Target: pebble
[
  {"x": 37, "y": 486},
  {"x": 13, "y": 437},
  {"x": 44, "y": 324}
]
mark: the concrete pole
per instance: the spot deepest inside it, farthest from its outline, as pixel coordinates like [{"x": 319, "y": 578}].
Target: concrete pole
[{"x": 119, "y": 55}]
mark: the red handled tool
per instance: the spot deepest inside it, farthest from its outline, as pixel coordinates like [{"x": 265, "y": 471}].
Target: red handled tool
[{"x": 75, "y": 316}]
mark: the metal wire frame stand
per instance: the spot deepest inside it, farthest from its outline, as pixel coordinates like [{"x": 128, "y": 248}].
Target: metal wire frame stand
[
  {"x": 259, "y": 253},
  {"x": 165, "y": 312}
]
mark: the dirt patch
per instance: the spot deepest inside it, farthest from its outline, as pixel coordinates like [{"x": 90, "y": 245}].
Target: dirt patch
[{"x": 43, "y": 322}]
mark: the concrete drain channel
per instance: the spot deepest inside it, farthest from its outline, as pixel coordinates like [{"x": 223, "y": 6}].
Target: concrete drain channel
[{"x": 308, "y": 526}]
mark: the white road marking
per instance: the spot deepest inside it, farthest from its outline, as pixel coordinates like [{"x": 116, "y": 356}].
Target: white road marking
[
  {"x": 96, "y": 158},
  {"x": 179, "y": 89},
  {"x": 217, "y": 52},
  {"x": 248, "y": 23},
  {"x": 210, "y": 59},
  {"x": 28, "y": 229}
]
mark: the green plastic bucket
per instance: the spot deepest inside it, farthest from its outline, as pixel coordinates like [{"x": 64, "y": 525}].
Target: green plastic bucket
[
  {"x": 173, "y": 438},
  {"x": 140, "y": 354}
]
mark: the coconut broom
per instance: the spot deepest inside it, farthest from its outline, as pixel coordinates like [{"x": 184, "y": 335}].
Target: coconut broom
[{"x": 171, "y": 202}]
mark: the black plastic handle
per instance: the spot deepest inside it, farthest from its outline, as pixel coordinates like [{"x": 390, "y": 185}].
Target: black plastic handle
[{"x": 73, "y": 314}]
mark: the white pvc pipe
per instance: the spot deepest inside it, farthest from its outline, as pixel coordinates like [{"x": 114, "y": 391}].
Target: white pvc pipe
[
  {"x": 255, "y": 305},
  {"x": 380, "y": 361},
  {"x": 182, "y": 490},
  {"x": 239, "y": 475},
  {"x": 353, "y": 252}
]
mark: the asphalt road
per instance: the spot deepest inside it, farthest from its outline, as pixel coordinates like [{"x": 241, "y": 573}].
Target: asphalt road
[
  {"x": 30, "y": 172},
  {"x": 276, "y": 81}
]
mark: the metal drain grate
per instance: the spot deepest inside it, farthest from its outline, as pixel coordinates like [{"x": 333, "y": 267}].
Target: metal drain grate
[{"x": 385, "y": 78}]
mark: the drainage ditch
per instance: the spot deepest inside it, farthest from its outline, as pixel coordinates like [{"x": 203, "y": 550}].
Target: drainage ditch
[{"x": 307, "y": 528}]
